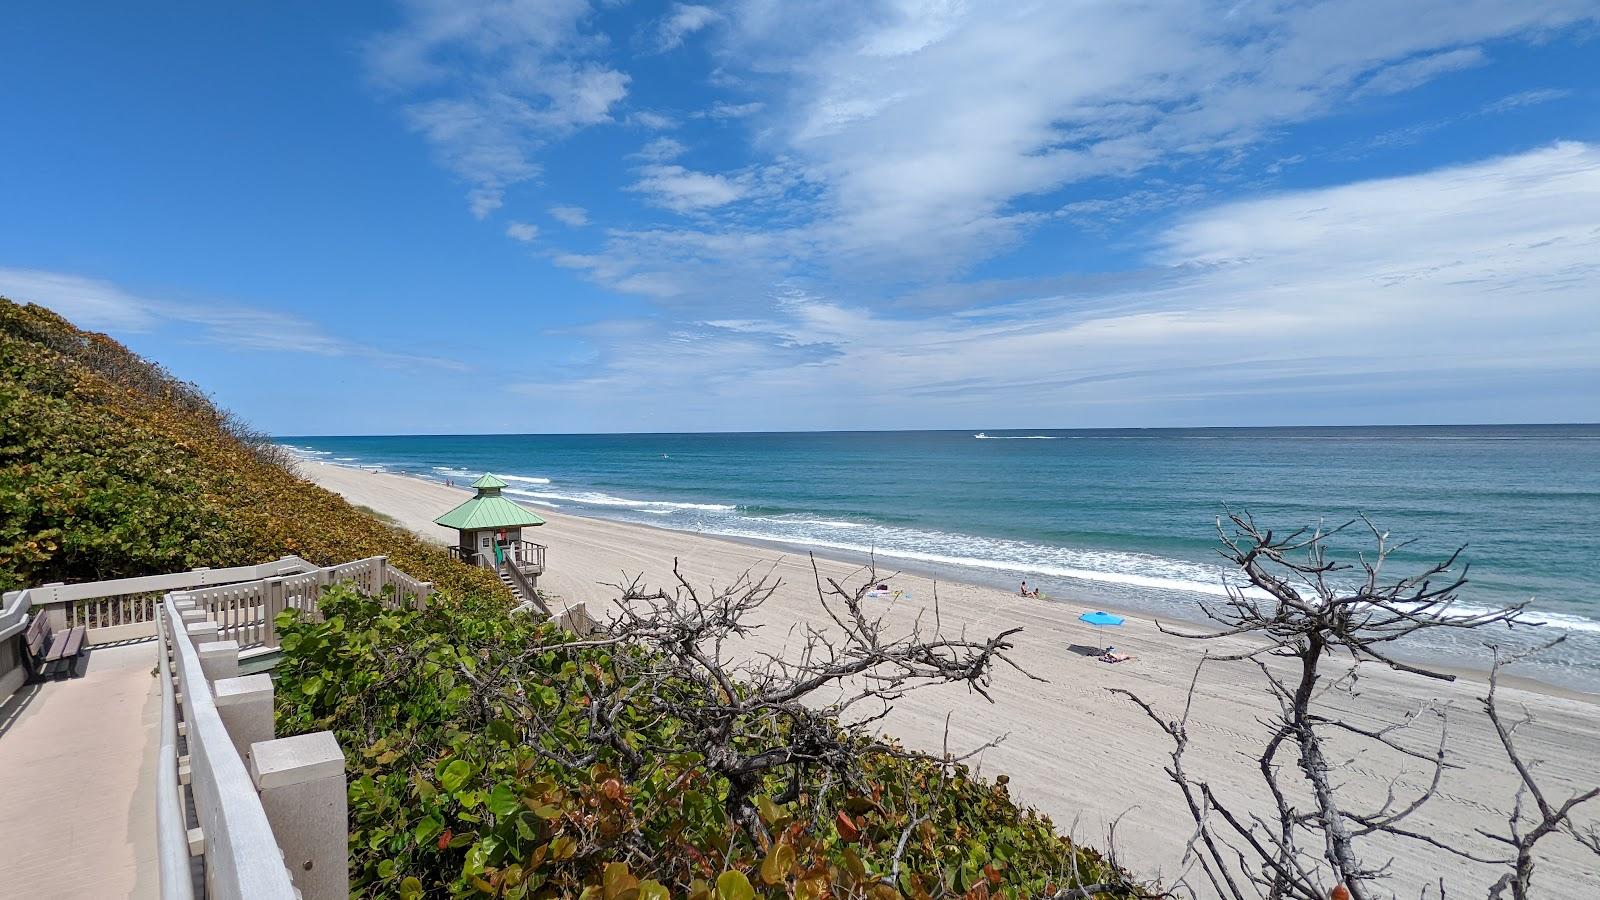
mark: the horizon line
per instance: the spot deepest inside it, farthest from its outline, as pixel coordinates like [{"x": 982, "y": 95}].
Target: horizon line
[{"x": 1365, "y": 426}]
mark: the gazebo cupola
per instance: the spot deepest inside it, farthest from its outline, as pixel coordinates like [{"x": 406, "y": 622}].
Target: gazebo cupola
[{"x": 490, "y": 528}]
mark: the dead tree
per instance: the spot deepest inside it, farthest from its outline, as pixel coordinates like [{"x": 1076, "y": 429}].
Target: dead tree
[
  {"x": 1547, "y": 817},
  {"x": 801, "y": 717},
  {"x": 1310, "y": 610}
]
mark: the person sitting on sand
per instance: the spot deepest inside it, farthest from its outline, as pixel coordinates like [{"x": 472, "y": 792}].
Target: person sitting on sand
[
  {"x": 1023, "y": 591},
  {"x": 1112, "y": 656}
]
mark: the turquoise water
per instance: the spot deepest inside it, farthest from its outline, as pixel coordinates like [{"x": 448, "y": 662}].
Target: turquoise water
[{"x": 1123, "y": 516}]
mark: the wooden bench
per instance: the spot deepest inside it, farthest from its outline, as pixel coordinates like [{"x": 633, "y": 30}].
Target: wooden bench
[{"x": 48, "y": 647}]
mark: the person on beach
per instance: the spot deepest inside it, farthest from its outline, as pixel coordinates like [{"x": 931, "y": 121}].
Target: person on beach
[
  {"x": 1023, "y": 591},
  {"x": 1112, "y": 656}
]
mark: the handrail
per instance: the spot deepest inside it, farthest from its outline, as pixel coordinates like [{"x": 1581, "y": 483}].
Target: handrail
[
  {"x": 528, "y": 593},
  {"x": 14, "y": 614},
  {"x": 47, "y": 594},
  {"x": 242, "y": 855},
  {"x": 172, "y": 835}
]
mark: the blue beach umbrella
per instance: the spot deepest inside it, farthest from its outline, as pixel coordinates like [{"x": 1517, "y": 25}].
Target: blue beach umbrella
[{"x": 1100, "y": 619}]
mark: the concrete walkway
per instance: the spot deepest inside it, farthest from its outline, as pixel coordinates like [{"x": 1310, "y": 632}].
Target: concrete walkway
[{"x": 77, "y": 780}]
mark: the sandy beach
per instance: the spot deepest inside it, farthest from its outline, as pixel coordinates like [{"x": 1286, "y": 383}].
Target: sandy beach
[{"x": 1086, "y": 757}]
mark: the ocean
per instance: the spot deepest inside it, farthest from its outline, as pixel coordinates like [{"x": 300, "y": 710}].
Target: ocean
[{"x": 1121, "y": 517}]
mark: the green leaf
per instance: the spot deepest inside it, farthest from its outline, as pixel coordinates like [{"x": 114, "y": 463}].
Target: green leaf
[
  {"x": 312, "y": 686},
  {"x": 455, "y": 775},
  {"x": 501, "y": 730},
  {"x": 428, "y": 829},
  {"x": 503, "y": 801},
  {"x": 650, "y": 889},
  {"x": 410, "y": 889},
  {"x": 386, "y": 869},
  {"x": 732, "y": 885}
]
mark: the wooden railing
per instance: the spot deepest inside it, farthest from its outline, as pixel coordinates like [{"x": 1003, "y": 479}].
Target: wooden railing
[
  {"x": 124, "y": 608},
  {"x": 525, "y": 554},
  {"x": 248, "y": 612},
  {"x": 525, "y": 587},
  {"x": 242, "y": 856},
  {"x": 244, "y": 601}
]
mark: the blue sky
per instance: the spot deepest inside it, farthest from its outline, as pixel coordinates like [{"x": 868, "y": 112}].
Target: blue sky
[{"x": 563, "y": 215}]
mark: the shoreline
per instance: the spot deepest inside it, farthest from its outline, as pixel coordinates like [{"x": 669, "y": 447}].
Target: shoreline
[
  {"x": 1073, "y": 750},
  {"x": 1086, "y": 597}
]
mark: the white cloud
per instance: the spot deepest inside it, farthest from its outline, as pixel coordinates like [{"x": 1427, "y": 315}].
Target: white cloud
[
  {"x": 488, "y": 82},
  {"x": 1394, "y": 291},
  {"x": 725, "y": 110},
  {"x": 98, "y": 304},
  {"x": 88, "y": 302},
  {"x": 572, "y": 216},
  {"x": 1526, "y": 98},
  {"x": 662, "y": 149},
  {"x": 652, "y": 120},
  {"x": 522, "y": 231},
  {"x": 684, "y": 19},
  {"x": 685, "y": 190},
  {"x": 929, "y": 121},
  {"x": 1421, "y": 70}
]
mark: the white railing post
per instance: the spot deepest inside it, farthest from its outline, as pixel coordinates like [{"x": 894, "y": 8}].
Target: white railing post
[
  {"x": 218, "y": 659},
  {"x": 380, "y": 574},
  {"x": 272, "y": 602},
  {"x": 245, "y": 706},
  {"x": 55, "y": 613},
  {"x": 201, "y": 632},
  {"x": 302, "y": 785}
]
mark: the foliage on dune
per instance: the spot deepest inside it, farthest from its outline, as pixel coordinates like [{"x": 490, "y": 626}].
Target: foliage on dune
[
  {"x": 112, "y": 467},
  {"x": 463, "y": 787}
]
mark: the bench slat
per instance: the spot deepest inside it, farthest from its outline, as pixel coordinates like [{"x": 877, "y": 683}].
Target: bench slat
[{"x": 65, "y": 645}]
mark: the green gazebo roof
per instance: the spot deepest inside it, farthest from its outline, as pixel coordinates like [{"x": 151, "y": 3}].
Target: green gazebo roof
[{"x": 488, "y": 510}]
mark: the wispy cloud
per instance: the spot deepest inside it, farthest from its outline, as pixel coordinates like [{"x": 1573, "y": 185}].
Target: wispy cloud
[
  {"x": 571, "y": 216},
  {"x": 685, "y": 190},
  {"x": 1419, "y": 71},
  {"x": 684, "y": 19},
  {"x": 1398, "y": 286},
  {"x": 928, "y": 122},
  {"x": 662, "y": 149},
  {"x": 522, "y": 231},
  {"x": 724, "y": 110},
  {"x": 98, "y": 304},
  {"x": 488, "y": 82},
  {"x": 1524, "y": 99}
]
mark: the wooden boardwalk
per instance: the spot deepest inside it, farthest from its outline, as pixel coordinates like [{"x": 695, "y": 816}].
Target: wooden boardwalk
[{"x": 77, "y": 781}]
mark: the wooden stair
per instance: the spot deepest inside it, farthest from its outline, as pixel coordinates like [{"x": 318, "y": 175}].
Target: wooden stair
[{"x": 511, "y": 583}]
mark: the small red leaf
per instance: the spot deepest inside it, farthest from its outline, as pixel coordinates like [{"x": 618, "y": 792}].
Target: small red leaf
[
  {"x": 847, "y": 828},
  {"x": 444, "y": 839}
]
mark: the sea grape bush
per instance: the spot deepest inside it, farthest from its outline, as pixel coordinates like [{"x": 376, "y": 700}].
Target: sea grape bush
[
  {"x": 459, "y": 788},
  {"x": 111, "y": 467}
]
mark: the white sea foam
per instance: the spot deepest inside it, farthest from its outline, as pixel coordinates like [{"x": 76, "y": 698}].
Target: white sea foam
[
  {"x": 596, "y": 498},
  {"x": 1017, "y": 437},
  {"x": 524, "y": 479}
]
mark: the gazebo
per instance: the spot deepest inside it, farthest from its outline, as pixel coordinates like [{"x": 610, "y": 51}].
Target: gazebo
[{"x": 490, "y": 528}]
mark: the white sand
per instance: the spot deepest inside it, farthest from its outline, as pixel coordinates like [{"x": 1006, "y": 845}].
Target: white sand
[{"x": 1074, "y": 750}]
